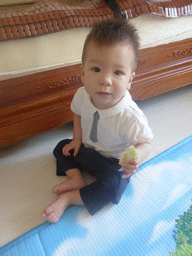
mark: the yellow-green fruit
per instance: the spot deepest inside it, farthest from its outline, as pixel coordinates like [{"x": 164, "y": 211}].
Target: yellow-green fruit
[{"x": 128, "y": 155}]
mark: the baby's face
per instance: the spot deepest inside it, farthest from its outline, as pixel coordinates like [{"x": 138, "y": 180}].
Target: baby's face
[{"x": 107, "y": 73}]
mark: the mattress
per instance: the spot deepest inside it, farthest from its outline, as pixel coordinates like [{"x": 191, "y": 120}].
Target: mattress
[{"x": 64, "y": 48}]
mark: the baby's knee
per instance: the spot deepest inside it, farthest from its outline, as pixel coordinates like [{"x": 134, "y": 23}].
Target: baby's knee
[
  {"x": 58, "y": 149},
  {"x": 62, "y": 143}
]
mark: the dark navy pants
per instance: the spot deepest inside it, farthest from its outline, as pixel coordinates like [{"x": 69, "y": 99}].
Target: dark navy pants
[{"x": 108, "y": 187}]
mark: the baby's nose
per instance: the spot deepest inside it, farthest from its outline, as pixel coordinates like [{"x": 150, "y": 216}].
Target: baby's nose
[{"x": 105, "y": 79}]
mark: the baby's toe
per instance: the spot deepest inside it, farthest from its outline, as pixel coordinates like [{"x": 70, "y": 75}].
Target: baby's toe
[
  {"x": 47, "y": 212},
  {"x": 54, "y": 190},
  {"x": 52, "y": 218}
]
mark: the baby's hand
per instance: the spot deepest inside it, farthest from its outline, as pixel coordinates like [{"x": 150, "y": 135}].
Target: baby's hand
[
  {"x": 129, "y": 162},
  {"x": 130, "y": 168},
  {"x": 74, "y": 144}
]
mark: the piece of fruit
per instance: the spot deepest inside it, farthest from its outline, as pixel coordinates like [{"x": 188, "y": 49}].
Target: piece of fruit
[{"x": 128, "y": 155}]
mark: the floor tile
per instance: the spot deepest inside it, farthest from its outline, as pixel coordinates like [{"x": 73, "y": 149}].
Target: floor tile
[{"x": 170, "y": 117}]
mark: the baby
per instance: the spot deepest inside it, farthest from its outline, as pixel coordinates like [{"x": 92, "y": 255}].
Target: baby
[{"x": 106, "y": 123}]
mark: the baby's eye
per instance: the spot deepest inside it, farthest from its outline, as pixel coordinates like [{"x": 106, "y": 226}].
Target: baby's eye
[
  {"x": 118, "y": 72},
  {"x": 96, "y": 69}
]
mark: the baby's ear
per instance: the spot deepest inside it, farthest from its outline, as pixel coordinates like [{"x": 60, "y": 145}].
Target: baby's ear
[{"x": 130, "y": 81}]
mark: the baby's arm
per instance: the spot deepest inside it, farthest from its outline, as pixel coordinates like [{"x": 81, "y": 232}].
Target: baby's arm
[
  {"x": 77, "y": 137},
  {"x": 143, "y": 150}
]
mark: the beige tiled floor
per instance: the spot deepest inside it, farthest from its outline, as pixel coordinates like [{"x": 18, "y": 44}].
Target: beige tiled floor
[{"x": 27, "y": 169}]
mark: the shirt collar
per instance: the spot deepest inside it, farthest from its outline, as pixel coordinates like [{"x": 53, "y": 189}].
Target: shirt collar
[{"x": 121, "y": 105}]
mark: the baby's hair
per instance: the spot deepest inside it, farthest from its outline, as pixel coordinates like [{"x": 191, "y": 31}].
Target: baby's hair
[{"x": 110, "y": 32}]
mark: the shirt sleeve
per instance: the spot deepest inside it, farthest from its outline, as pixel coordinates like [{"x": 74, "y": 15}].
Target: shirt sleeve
[
  {"x": 137, "y": 130},
  {"x": 77, "y": 102}
]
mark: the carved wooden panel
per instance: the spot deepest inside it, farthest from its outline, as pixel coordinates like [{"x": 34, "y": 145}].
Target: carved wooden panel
[
  {"x": 39, "y": 85},
  {"x": 162, "y": 69},
  {"x": 24, "y": 120}
]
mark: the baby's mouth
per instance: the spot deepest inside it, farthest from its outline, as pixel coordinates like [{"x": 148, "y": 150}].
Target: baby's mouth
[{"x": 103, "y": 93}]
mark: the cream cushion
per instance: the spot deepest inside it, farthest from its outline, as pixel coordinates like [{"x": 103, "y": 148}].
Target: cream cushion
[{"x": 64, "y": 48}]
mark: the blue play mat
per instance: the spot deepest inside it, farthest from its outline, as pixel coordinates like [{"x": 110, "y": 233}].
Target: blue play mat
[{"x": 144, "y": 223}]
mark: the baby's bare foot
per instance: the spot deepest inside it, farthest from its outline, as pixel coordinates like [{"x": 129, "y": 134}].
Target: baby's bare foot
[
  {"x": 69, "y": 185},
  {"x": 55, "y": 210}
]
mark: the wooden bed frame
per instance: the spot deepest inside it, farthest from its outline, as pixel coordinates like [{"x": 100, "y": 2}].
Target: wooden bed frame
[{"x": 40, "y": 102}]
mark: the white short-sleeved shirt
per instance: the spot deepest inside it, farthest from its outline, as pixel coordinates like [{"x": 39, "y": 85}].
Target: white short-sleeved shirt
[{"x": 118, "y": 128}]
